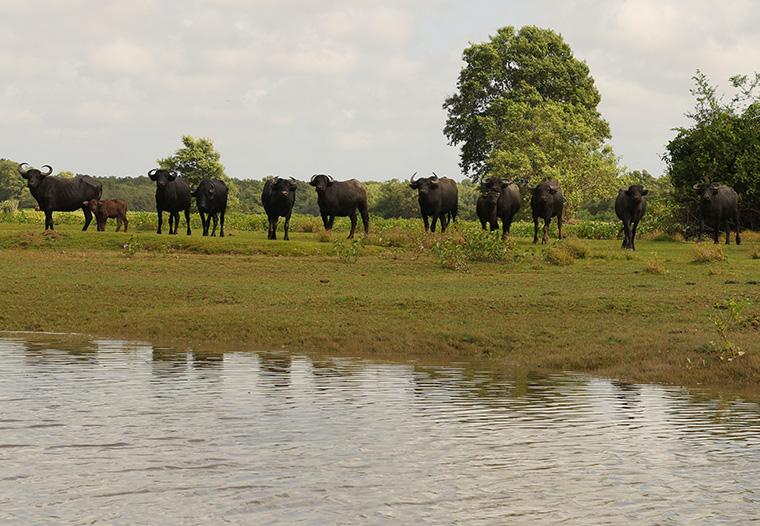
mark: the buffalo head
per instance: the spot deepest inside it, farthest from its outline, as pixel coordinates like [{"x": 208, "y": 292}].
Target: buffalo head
[
  {"x": 321, "y": 182},
  {"x": 33, "y": 176},
  {"x": 636, "y": 192},
  {"x": 424, "y": 185},
  {"x": 282, "y": 187},
  {"x": 92, "y": 204},
  {"x": 205, "y": 194},
  {"x": 545, "y": 190},
  {"x": 162, "y": 176},
  {"x": 705, "y": 191}
]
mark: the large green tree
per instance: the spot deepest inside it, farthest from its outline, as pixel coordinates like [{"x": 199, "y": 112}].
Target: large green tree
[
  {"x": 525, "y": 107},
  {"x": 198, "y": 160},
  {"x": 11, "y": 183},
  {"x": 722, "y": 144}
]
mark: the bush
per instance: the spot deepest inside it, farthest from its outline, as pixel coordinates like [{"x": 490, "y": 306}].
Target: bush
[
  {"x": 348, "y": 251},
  {"x": 558, "y": 255},
  {"x": 576, "y": 249},
  {"x": 755, "y": 253},
  {"x": 654, "y": 266},
  {"x": 480, "y": 245},
  {"x": 708, "y": 253},
  {"x": 451, "y": 255}
]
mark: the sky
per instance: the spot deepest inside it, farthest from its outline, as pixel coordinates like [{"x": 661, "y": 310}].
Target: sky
[{"x": 351, "y": 88}]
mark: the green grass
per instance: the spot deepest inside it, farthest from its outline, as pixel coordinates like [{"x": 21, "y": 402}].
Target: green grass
[{"x": 604, "y": 313}]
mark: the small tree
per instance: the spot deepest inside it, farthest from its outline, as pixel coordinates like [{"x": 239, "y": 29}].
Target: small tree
[
  {"x": 11, "y": 183},
  {"x": 198, "y": 160}
]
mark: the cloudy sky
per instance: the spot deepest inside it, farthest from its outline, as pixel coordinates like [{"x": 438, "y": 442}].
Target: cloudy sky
[{"x": 352, "y": 88}]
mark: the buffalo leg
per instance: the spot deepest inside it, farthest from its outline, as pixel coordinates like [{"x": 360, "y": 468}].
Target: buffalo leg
[
  {"x": 216, "y": 223},
  {"x": 728, "y": 232},
  {"x": 716, "y": 232},
  {"x": 221, "y": 224},
  {"x": 626, "y": 234},
  {"x": 483, "y": 224},
  {"x": 203, "y": 223},
  {"x": 505, "y": 224},
  {"x": 287, "y": 226},
  {"x": 352, "y": 216},
  {"x": 326, "y": 221},
  {"x": 273, "y": 227},
  {"x": 125, "y": 221},
  {"x": 87, "y": 218},
  {"x": 49, "y": 220},
  {"x": 365, "y": 218},
  {"x": 547, "y": 223},
  {"x": 160, "y": 220},
  {"x": 331, "y": 222},
  {"x": 118, "y": 223},
  {"x": 559, "y": 225},
  {"x": 171, "y": 223},
  {"x": 426, "y": 222},
  {"x": 633, "y": 235},
  {"x": 444, "y": 222},
  {"x": 435, "y": 220},
  {"x": 535, "y": 229},
  {"x": 187, "y": 220}
]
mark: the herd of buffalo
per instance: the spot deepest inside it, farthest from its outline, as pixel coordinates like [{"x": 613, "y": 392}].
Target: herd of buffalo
[{"x": 438, "y": 199}]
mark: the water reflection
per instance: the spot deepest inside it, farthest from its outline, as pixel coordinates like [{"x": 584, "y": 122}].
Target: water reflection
[{"x": 137, "y": 434}]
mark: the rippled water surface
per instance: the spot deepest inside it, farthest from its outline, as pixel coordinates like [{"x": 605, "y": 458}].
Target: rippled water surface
[{"x": 117, "y": 433}]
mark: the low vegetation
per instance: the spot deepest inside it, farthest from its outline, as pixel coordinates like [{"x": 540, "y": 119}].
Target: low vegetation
[{"x": 388, "y": 295}]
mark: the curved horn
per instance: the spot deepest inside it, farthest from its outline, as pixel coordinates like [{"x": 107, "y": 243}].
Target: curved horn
[
  {"x": 330, "y": 177},
  {"x": 696, "y": 186},
  {"x": 23, "y": 168},
  {"x": 152, "y": 172},
  {"x": 313, "y": 177},
  {"x": 49, "y": 169},
  {"x": 174, "y": 173},
  {"x": 411, "y": 179},
  {"x": 292, "y": 179},
  {"x": 435, "y": 175}
]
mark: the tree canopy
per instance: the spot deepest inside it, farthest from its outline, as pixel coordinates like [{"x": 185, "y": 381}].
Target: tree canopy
[
  {"x": 722, "y": 145},
  {"x": 526, "y": 108},
  {"x": 198, "y": 160}
]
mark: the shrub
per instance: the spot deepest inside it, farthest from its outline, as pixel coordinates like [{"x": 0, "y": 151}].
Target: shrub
[
  {"x": 451, "y": 255},
  {"x": 708, "y": 253},
  {"x": 730, "y": 317},
  {"x": 755, "y": 253},
  {"x": 654, "y": 266},
  {"x": 348, "y": 251},
  {"x": 558, "y": 255},
  {"x": 324, "y": 236},
  {"x": 480, "y": 245},
  {"x": 576, "y": 249}
]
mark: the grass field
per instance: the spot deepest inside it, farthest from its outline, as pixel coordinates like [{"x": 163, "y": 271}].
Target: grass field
[{"x": 584, "y": 305}]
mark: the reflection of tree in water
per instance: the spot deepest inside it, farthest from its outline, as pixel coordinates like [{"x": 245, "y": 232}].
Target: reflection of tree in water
[
  {"x": 629, "y": 396},
  {"x": 274, "y": 368},
  {"x": 207, "y": 360},
  {"x": 168, "y": 362},
  {"x": 42, "y": 350}
]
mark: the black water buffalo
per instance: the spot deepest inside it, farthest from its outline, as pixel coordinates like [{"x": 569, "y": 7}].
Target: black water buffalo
[
  {"x": 506, "y": 206},
  {"x": 630, "y": 206},
  {"x": 340, "y": 198},
  {"x": 719, "y": 208},
  {"x": 278, "y": 198},
  {"x": 546, "y": 202},
  {"x": 211, "y": 199},
  {"x": 486, "y": 207},
  {"x": 438, "y": 198},
  {"x": 105, "y": 209},
  {"x": 172, "y": 195},
  {"x": 58, "y": 194}
]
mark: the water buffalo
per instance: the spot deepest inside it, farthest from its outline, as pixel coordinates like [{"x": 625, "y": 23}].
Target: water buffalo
[
  {"x": 505, "y": 207},
  {"x": 546, "y": 202},
  {"x": 719, "y": 207},
  {"x": 340, "y": 198},
  {"x": 58, "y": 194},
  {"x": 278, "y": 198},
  {"x": 108, "y": 208},
  {"x": 630, "y": 206},
  {"x": 486, "y": 208},
  {"x": 172, "y": 195},
  {"x": 211, "y": 198},
  {"x": 438, "y": 199}
]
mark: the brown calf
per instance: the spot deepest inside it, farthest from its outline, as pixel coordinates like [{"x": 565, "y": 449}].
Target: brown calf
[{"x": 106, "y": 208}]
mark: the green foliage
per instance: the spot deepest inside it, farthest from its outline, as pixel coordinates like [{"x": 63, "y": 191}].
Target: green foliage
[
  {"x": 722, "y": 145},
  {"x": 729, "y": 318},
  {"x": 11, "y": 183},
  {"x": 198, "y": 160},
  {"x": 559, "y": 255},
  {"x": 348, "y": 251},
  {"x": 525, "y": 107},
  {"x": 394, "y": 198},
  {"x": 481, "y": 245},
  {"x": 451, "y": 255}
]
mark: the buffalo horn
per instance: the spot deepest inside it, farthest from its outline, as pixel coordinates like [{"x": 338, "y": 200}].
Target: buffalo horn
[
  {"x": 23, "y": 168},
  {"x": 152, "y": 172},
  {"x": 49, "y": 169},
  {"x": 411, "y": 179},
  {"x": 435, "y": 175}
]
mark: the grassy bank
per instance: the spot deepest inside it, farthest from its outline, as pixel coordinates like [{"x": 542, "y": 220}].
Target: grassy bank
[{"x": 579, "y": 305}]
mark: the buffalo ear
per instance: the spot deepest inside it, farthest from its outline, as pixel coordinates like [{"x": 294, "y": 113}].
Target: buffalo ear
[
  {"x": 714, "y": 190},
  {"x": 292, "y": 185},
  {"x": 85, "y": 203},
  {"x": 413, "y": 186},
  {"x": 627, "y": 192},
  {"x": 312, "y": 183},
  {"x": 552, "y": 190},
  {"x": 330, "y": 182},
  {"x": 434, "y": 182},
  {"x": 645, "y": 192},
  {"x": 172, "y": 175}
]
